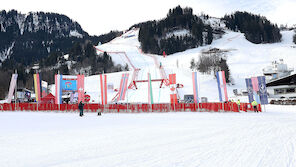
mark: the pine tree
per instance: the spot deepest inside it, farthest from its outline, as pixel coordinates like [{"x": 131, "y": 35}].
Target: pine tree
[
  {"x": 126, "y": 68},
  {"x": 224, "y": 67},
  {"x": 209, "y": 35}
]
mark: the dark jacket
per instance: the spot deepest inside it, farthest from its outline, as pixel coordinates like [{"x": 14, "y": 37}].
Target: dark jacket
[{"x": 80, "y": 106}]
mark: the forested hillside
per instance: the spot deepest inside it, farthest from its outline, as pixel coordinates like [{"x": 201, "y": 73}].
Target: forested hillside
[
  {"x": 179, "y": 31},
  {"x": 257, "y": 28},
  {"x": 26, "y": 39},
  {"x": 44, "y": 38}
]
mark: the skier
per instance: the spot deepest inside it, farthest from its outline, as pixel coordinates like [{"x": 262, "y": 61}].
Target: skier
[
  {"x": 254, "y": 104},
  {"x": 80, "y": 107},
  {"x": 238, "y": 104}
]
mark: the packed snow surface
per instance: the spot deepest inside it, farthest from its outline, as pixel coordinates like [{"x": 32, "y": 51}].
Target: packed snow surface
[{"x": 149, "y": 139}]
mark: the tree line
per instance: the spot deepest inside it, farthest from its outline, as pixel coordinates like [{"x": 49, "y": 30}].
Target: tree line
[
  {"x": 154, "y": 38},
  {"x": 50, "y": 35},
  {"x": 81, "y": 55},
  {"x": 257, "y": 29}
]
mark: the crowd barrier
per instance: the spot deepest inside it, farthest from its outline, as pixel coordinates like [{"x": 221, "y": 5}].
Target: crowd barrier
[{"x": 132, "y": 108}]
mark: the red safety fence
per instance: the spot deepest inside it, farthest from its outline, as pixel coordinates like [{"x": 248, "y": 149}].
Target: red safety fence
[{"x": 132, "y": 108}]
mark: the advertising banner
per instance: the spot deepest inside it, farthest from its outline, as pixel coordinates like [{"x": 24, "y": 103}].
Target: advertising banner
[{"x": 69, "y": 85}]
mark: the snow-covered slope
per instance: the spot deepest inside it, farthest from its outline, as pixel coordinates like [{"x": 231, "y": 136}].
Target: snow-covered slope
[
  {"x": 183, "y": 139},
  {"x": 245, "y": 59}
]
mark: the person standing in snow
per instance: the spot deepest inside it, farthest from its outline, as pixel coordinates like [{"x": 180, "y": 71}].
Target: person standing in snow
[
  {"x": 80, "y": 107},
  {"x": 254, "y": 104},
  {"x": 238, "y": 104}
]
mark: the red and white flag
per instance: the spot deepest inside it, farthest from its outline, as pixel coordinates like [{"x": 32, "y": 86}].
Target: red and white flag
[
  {"x": 255, "y": 84},
  {"x": 221, "y": 80},
  {"x": 173, "y": 88},
  {"x": 11, "y": 87},
  {"x": 80, "y": 87},
  {"x": 103, "y": 86},
  {"x": 123, "y": 87}
]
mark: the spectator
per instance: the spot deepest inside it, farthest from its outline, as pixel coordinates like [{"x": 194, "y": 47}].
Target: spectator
[
  {"x": 80, "y": 107},
  {"x": 254, "y": 104},
  {"x": 238, "y": 104}
]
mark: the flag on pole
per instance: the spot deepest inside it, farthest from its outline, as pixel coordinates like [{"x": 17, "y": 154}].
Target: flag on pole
[
  {"x": 40, "y": 86},
  {"x": 255, "y": 89},
  {"x": 173, "y": 88},
  {"x": 172, "y": 79},
  {"x": 222, "y": 86},
  {"x": 249, "y": 89},
  {"x": 103, "y": 86},
  {"x": 255, "y": 84},
  {"x": 80, "y": 87},
  {"x": 150, "y": 94},
  {"x": 123, "y": 87},
  {"x": 58, "y": 89},
  {"x": 12, "y": 87},
  {"x": 256, "y": 97},
  {"x": 44, "y": 86},
  {"x": 195, "y": 87},
  {"x": 37, "y": 86},
  {"x": 262, "y": 90}
]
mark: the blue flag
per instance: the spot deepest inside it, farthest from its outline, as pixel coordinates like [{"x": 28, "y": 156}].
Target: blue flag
[
  {"x": 262, "y": 90},
  {"x": 249, "y": 89}
]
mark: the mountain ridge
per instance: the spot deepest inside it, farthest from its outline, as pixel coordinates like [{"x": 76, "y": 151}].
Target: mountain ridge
[{"x": 29, "y": 37}]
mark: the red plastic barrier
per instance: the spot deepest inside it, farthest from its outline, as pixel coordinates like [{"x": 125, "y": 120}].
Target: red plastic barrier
[
  {"x": 180, "y": 107},
  {"x": 235, "y": 107}
]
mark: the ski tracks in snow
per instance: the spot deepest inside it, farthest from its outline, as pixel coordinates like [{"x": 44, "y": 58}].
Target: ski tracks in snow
[{"x": 188, "y": 139}]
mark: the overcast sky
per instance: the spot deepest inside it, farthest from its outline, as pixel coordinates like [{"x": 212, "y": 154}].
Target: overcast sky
[{"x": 101, "y": 16}]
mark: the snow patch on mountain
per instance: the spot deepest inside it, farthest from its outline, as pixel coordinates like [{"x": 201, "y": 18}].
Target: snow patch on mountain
[
  {"x": 66, "y": 57},
  {"x": 20, "y": 19},
  {"x": 178, "y": 33},
  {"x": 35, "y": 21},
  {"x": 5, "y": 54},
  {"x": 214, "y": 22},
  {"x": 75, "y": 33}
]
